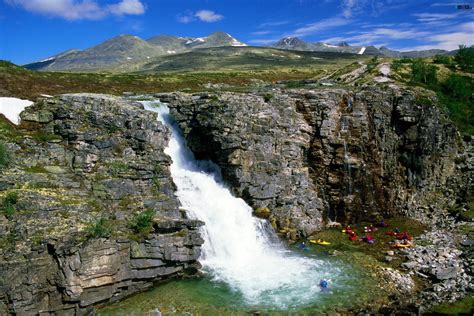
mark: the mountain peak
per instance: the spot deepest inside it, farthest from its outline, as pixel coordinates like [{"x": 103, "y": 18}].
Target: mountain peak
[
  {"x": 343, "y": 44},
  {"x": 290, "y": 42}
]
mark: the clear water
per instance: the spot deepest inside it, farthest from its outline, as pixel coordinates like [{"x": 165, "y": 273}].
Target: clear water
[{"x": 245, "y": 265}]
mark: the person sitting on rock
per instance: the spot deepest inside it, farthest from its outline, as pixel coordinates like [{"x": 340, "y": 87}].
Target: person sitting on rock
[
  {"x": 368, "y": 238},
  {"x": 352, "y": 236}
]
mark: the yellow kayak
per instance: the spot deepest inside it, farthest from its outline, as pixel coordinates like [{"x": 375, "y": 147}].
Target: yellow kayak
[
  {"x": 320, "y": 242},
  {"x": 403, "y": 246}
]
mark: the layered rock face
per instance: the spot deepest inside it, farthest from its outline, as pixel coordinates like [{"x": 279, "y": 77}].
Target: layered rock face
[
  {"x": 81, "y": 165},
  {"x": 303, "y": 156}
]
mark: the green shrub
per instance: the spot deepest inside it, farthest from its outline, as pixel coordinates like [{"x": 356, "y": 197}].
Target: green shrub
[
  {"x": 102, "y": 228},
  {"x": 9, "y": 210},
  {"x": 8, "y": 206},
  {"x": 11, "y": 198},
  {"x": 421, "y": 72},
  {"x": 465, "y": 58},
  {"x": 442, "y": 59},
  {"x": 373, "y": 62},
  {"x": 142, "y": 223},
  {"x": 158, "y": 169},
  {"x": 118, "y": 167},
  {"x": 267, "y": 97},
  {"x": 156, "y": 182},
  {"x": 459, "y": 87},
  {"x": 4, "y": 155}
]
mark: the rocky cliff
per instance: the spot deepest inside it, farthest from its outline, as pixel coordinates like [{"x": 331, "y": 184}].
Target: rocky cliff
[
  {"x": 302, "y": 158},
  {"x": 88, "y": 212}
]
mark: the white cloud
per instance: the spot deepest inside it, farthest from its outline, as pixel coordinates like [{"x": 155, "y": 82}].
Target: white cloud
[
  {"x": 132, "y": 7},
  {"x": 447, "y": 41},
  {"x": 347, "y": 7},
  {"x": 186, "y": 18},
  {"x": 261, "y": 32},
  {"x": 379, "y": 35},
  {"x": 79, "y": 9},
  {"x": 433, "y": 17},
  {"x": 208, "y": 16},
  {"x": 322, "y": 25},
  {"x": 444, "y": 4},
  {"x": 202, "y": 15},
  {"x": 273, "y": 23}
]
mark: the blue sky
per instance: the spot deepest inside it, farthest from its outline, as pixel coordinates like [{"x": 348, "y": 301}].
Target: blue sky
[{"x": 34, "y": 29}]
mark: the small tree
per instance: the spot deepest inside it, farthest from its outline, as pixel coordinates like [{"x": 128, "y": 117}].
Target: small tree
[
  {"x": 465, "y": 58},
  {"x": 422, "y": 72}
]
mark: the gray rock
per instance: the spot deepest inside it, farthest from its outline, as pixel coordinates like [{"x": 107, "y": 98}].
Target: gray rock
[
  {"x": 448, "y": 273},
  {"x": 409, "y": 265},
  {"x": 96, "y": 156}
]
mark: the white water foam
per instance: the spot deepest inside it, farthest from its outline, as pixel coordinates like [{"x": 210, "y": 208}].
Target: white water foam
[{"x": 239, "y": 249}]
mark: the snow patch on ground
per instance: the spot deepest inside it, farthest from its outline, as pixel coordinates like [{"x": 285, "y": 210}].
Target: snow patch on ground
[
  {"x": 384, "y": 69},
  {"x": 12, "y": 107},
  {"x": 381, "y": 79},
  {"x": 362, "y": 50}
]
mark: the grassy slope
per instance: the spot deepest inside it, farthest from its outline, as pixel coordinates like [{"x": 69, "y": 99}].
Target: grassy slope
[
  {"x": 19, "y": 82},
  {"x": 461, "y": 112},
  {"x": 246, "y": 58}
]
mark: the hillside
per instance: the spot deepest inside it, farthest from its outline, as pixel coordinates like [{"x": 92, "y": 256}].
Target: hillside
[{"x": 243, "y": 58}]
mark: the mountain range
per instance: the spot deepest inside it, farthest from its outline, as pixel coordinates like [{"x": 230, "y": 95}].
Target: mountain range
[
  {"x": 131, "y": 53},
  {"x": 294, "y": 43}
]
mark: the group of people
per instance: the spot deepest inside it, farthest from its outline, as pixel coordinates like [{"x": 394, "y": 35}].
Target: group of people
[{"x": 403, "y": 238}]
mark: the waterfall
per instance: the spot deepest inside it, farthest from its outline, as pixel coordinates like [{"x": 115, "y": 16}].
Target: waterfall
[
  {"x": 348, "y": 168},
  {"x": 239, "y": 249}
]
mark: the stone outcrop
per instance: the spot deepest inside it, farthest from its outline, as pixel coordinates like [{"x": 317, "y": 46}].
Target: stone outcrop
[
  {"x": 333, "y": 155},
  {"x": 83, "y": 168}
]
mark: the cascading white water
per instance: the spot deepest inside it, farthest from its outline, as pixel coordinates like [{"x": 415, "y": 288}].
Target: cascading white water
[{"x": 239, "y": 249}]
